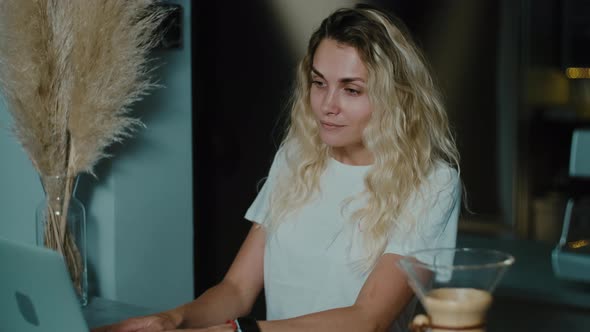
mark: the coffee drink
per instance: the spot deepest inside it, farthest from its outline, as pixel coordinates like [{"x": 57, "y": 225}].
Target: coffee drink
[{"x": 457, "y": 308}]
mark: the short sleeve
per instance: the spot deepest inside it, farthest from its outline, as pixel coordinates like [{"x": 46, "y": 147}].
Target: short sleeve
[
  {"x": 435, "y": 211},
  {"x": 258, "y": 211}
]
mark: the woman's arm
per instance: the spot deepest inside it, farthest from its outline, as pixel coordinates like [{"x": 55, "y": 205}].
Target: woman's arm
[
  {"x": 232, "y": 297},
  {"x": 235, "y": 295},
  {"x": 381, "y": 299}
]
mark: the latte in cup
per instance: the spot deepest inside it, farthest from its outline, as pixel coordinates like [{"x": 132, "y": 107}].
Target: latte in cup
[{"x": 457, "y": 307}]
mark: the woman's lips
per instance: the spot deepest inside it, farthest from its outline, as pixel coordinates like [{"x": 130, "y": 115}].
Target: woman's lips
[{"x": 330, "y": 126}]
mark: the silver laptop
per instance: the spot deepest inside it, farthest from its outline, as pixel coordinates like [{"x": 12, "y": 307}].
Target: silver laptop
[{"x": 36, "y": 293}]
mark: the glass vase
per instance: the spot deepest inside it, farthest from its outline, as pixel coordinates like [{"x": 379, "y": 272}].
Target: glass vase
[{"x": 61, "y": 226}]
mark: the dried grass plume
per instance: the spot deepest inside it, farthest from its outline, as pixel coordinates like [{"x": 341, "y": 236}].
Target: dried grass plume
[{"x": 69, "y": 72}]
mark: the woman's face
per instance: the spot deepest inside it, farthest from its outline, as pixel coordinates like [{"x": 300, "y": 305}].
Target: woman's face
[{"x": 339, "y": 97}]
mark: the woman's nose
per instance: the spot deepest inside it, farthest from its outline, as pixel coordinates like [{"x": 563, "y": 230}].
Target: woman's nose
[{"x": 330, "y": 103}]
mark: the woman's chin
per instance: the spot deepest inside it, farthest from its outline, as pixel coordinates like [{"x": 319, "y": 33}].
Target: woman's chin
[
  {"x": 331, "y": 141},
  {"x": 333, "y": 144}
]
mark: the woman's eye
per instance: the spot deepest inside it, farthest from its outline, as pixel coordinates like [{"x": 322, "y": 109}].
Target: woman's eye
[
  {"x": 352, "y": 92},
  {"x": 318, "y": 84}
]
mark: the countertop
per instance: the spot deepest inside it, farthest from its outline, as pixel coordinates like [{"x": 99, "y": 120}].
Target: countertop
[
  {"x": 531, "y": 277},
  {"x": 530, "y": 297}
]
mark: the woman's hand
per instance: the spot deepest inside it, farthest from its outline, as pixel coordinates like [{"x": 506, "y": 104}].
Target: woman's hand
[
  {"x": 216, "y": 328},
  {"x": 153, "y": 323}
]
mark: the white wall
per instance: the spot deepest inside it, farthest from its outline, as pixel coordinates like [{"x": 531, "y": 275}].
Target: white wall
[{"x": 139, "y": 210}]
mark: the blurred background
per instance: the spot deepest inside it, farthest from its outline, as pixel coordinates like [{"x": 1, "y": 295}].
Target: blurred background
[{"x": 166, "y": 212}]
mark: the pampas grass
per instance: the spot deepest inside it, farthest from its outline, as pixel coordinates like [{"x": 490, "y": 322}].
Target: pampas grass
[{"x": 69, "y": 72}]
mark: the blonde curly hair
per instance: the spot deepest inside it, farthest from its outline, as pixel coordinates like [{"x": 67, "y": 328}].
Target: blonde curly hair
[{"x": 408, "y": 132}]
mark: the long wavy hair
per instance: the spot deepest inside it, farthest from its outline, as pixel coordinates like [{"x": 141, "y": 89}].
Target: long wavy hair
[{"x": 408, "y": 132}]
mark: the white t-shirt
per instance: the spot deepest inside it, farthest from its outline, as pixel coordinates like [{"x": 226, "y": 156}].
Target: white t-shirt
[{"x": 309, "y": 262}]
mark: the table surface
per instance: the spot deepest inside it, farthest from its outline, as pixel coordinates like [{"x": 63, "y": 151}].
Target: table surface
[
  {"x": 531, "y": 277},
  {"x": 100, "y": 311}
]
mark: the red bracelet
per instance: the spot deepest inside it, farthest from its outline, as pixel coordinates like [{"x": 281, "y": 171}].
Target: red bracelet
[{"x": 233, "y": 324}]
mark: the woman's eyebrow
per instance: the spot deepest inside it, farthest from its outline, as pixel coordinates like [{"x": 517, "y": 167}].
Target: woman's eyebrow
[
  {"x": 351, "y": 79},
  {"x": 315, "y": 71}
]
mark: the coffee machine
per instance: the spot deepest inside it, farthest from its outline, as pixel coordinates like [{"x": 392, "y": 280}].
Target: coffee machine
[{"x": 571, "y": 257}]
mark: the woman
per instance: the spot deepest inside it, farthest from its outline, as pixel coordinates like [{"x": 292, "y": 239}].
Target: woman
[{"x": 365, "y": 174}]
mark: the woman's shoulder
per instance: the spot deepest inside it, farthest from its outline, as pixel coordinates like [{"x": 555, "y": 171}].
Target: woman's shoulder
[
  {"x": 280, "y": 158},
  {"x": 442, "y": 178},
  {"x": 280, "y": 162},
  {"x": 442, "y": 173}
]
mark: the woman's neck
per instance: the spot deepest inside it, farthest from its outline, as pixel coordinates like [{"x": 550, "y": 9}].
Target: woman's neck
[{"x": 357, "y": 156}]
